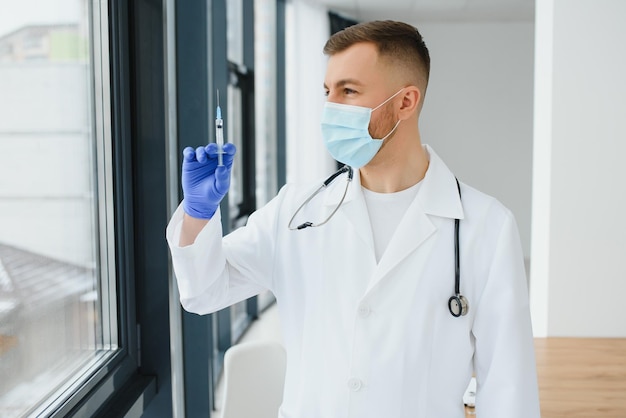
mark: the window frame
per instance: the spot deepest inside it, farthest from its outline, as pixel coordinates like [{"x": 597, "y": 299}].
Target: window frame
[
  {"x": 140, "y": 85},
  {"x": 112, "y": 387}
]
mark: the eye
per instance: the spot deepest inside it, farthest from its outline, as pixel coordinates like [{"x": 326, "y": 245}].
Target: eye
[
  {"x": 326, "y": 93},
  {"x": 348, "y": 91}
]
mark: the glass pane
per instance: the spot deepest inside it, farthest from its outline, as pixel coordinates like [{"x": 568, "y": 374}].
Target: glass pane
[
  {"x": 233, "y": 132},
  {"x": 265, "y": 100},
  {"x": 238, "y": 320},
  {"x": 234, "y": 31},
  {"x": 50, "y": 313}
]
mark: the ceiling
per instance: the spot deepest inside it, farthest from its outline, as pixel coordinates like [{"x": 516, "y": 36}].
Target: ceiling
[{"x": 415, "y": 11}]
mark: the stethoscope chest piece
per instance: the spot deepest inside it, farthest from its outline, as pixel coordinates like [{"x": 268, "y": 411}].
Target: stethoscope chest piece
[{"x": 458, "y": 305}]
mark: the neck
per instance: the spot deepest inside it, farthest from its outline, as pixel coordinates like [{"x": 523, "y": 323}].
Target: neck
[{"x": 400, "y": 164}]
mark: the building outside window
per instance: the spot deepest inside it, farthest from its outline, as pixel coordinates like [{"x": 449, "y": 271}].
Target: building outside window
[{"x": 57, "y": 293}]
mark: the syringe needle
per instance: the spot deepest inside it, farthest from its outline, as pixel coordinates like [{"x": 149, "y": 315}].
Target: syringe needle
[{"x": 219, "y": 132}]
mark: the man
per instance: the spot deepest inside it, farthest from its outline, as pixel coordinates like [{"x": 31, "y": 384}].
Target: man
[{"x": 372, "y": 322}]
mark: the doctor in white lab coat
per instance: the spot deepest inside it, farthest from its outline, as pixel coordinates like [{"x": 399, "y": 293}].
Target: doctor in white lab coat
[{"x": 363, "y": 299}]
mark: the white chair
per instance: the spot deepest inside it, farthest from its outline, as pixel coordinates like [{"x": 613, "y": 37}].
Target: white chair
[{"x": 254, "y": 377}]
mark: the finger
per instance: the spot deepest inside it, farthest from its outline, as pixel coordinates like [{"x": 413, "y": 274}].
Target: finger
[
  {"x": 222, "y": 179},
  {"x": 189, "y": 154},
  {"x": 228, "y": 161},
  {"x": 230, "y": 148},
  {"x": 201, "y": 155},
  {"x": 228, "y": 158},
  {"x": 211, "y": 150}
]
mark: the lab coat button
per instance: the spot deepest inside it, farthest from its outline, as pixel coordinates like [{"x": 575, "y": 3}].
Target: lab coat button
[
  {"x": 364, "y": 311},
  {"x": 355, "y": 384}
]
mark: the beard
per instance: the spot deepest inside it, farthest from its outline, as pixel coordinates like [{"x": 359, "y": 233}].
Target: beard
[{"x": 384, "y": 124}]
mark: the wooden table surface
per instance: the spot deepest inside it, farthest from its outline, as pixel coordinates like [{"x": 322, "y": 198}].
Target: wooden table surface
[{"x": 581, "y": 377}]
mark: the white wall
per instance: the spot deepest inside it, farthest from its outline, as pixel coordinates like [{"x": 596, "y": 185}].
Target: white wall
[
  {"x": 479, "y": 106},
  {"x": 307, "y": 31},
  {"x": 579, "y": 281}
]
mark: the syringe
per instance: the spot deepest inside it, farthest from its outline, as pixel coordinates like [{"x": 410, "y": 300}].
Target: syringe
[{"x": 219, "y": 132}]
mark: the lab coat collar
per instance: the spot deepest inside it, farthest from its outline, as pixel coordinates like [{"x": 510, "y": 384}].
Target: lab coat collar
[{"x": 438, "y": 194}]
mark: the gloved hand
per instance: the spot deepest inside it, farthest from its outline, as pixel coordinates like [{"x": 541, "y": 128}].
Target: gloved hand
[{"x": 204, "y": 183}]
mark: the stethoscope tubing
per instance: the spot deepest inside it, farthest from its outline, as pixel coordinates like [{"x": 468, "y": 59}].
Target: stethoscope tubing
[
  {"x": 457, "y": 251},
  {"x": 330, "y": 179}
]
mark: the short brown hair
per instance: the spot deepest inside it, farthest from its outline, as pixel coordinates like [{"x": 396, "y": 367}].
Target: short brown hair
[{"x": 400, "y": 43}]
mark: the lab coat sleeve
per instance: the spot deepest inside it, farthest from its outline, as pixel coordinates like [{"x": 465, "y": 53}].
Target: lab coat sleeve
[
  {"x": 504, "y": 358},
  {"x": 215, "y": 272}
]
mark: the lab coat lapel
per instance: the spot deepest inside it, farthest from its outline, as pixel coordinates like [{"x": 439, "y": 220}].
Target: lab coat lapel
[
  {"x": 438, "y": 197},
  {"x": 414, "y": 229}
]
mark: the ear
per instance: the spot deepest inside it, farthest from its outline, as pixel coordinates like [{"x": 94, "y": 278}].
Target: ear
[{"x": 411, "y": 98}]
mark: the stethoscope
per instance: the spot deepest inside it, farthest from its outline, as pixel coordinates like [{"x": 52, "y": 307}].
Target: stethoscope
[{"x": 457, "y": 304}]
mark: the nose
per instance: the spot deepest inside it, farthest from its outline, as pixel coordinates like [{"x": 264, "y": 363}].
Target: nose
[{"x": 333, "y": 96}]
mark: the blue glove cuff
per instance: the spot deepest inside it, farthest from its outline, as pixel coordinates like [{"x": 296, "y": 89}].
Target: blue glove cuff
[{"x": 207, "y": 213}]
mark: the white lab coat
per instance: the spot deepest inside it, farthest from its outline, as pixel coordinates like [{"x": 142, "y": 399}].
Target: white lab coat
[{"x": 368, "y": 340}]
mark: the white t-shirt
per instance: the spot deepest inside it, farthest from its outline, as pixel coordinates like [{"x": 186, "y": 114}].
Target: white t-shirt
[{"x": 386, "y": 210}]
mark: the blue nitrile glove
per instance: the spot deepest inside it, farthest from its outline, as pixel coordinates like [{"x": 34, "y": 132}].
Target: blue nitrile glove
[{"x": 204, "y": 183}]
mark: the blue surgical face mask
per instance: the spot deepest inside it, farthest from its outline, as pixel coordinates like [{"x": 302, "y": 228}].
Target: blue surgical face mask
[{"x": 345, "y": 129}]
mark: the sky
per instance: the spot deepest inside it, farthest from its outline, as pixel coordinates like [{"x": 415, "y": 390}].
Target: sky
[{"x": 16, "y": 14}]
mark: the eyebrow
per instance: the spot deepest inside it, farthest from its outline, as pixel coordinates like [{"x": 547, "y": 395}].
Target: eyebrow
[{"x": 345, "y": 81}]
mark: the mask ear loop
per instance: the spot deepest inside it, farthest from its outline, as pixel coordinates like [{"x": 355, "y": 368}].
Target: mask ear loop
[
  {"x": 390, "y": 132},
  {"x": 383, "y": 103}
]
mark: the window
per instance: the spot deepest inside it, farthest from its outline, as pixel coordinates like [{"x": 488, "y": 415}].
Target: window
[
  {"x": 58, "y": 313},
  {"x": 229, "y": 31}
]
